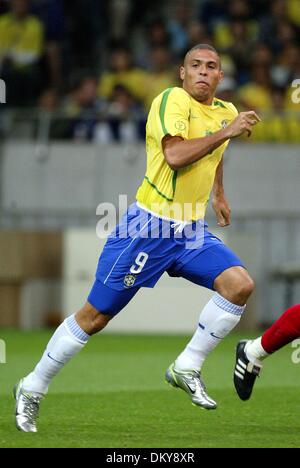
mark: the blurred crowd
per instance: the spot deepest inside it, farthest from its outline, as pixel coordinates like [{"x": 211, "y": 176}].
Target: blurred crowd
[{"x": 96, "y": 65}]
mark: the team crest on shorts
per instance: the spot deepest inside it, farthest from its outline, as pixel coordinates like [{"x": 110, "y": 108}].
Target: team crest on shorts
[{"x": 129, "y": 280}]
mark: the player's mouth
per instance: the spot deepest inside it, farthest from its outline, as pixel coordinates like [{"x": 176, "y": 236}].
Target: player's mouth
[{"x": 203, "y": 83}]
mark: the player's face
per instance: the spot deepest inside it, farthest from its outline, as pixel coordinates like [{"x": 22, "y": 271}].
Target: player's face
[{"x": 201, "y": 74}]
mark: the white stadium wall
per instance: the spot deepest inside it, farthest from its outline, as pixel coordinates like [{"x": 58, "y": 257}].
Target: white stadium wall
[
  {"x": 260, "y": 179},
  {"x": 59, "y": 187}
]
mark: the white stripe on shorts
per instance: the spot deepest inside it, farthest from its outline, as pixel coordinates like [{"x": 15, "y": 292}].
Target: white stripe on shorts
[{"x": 126, "y": 249}]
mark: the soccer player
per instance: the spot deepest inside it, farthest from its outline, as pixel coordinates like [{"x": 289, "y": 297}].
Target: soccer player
[
  {"x": 187, "y": 133},
  {"x": 251, "y": 353}
]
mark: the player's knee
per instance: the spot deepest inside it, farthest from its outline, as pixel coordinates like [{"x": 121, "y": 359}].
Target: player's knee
[
  {"x": 244, "y": 289},
  {"x": 91, "y": 320},
  {"x": 235, "y": 285}
]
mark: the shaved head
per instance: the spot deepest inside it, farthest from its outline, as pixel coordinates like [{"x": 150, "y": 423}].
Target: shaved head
[
  {"x": 201, "y": 73},
  {"x": 201, "y": 47}
]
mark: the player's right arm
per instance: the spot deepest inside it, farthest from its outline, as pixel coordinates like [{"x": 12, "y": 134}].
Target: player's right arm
[{"x": 181, "y": 153}]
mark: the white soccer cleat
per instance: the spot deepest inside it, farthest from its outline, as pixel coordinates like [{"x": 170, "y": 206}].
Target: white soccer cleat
[
  {"x": 27, "y": 409},
  {"x": 192, "y": 383}
]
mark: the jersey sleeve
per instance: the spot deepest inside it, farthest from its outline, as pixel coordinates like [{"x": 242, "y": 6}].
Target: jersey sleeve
[
  {"x": 233, "y": 109},
  {"x": 174, "y": 111}
]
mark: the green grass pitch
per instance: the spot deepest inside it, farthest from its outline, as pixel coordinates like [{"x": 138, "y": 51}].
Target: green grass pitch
[{"x": 113, "y": 395}]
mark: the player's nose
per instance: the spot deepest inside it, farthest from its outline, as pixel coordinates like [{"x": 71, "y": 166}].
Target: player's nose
[{"x": 202, "y": 71}]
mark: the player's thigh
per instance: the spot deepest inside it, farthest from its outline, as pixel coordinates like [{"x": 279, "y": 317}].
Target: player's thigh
[
  {"x": 102, "y": 305},
  {"x": 207, "y": 265},
  {"x": 109, "y": 301},
  {"x": 135, "y": 258}
]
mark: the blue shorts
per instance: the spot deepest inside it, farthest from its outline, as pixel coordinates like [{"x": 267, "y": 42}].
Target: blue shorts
[{"x": 143, "y": 247}]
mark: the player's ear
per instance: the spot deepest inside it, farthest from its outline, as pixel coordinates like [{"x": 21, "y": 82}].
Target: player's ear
[
  {"x": 182, "y": 73},
  {"x": 221, "y": 75}
]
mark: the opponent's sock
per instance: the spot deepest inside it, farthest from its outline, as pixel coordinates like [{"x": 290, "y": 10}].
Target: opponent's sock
[
  {"x": 255, "y": 352},
  {"x": 283, "y": 331},
  {"x": 66, "y": 342},
  {"x": 216, "y": 320}
]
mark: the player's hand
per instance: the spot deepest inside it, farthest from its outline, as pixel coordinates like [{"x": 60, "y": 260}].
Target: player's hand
[
  {"x": 222, "y": 210},
  {"x": 243, "y": 123}
]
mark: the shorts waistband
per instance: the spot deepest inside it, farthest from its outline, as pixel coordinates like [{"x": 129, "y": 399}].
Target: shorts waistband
[{"x": 165, "y": 218}]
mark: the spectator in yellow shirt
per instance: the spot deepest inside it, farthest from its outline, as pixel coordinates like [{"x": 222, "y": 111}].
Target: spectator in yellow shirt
[
  {"x": 160, "y": 76},
  {"x": 279, "y": 124},
  {"x": 21, "y": 48},
  {"x": 293, "y": 7},
  {"x": 257, "y": 93},
  {"x": 122, "y": 73}
]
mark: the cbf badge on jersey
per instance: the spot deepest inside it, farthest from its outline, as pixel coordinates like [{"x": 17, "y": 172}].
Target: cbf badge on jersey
[
  {"x": 180, "y": 125},
  {"x": 129, "y": 280}
]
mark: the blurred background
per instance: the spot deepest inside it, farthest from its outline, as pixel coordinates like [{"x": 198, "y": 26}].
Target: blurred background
[{"x": 80, "y": 77}]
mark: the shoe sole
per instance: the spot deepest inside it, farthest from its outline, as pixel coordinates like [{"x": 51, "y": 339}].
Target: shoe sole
[{"x": 236, "y": 360}]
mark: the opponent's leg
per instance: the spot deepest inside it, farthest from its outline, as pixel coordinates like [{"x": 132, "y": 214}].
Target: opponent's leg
[
  {"x": 251, "y": 353},
  {"x": 283, "y": 331}
]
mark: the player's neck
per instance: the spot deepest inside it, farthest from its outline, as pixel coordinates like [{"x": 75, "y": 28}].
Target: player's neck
[{"x": 206, "y": 102}]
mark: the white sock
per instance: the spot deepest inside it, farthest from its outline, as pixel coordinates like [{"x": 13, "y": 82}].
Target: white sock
[
  {"x": 66, "y": 342},
  {"x": 255, "y": 352},
  {"x": 216, "y": 320}
]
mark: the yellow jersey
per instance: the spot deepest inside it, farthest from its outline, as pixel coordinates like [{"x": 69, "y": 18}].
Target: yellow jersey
[
  {"x": 21, "y": 40},
  {"x": 133, "y": 80},
  {"x": 182, "y": 194}
]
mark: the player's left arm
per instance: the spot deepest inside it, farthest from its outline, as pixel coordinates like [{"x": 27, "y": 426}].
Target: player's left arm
[{"x": 219, "y": 201}]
